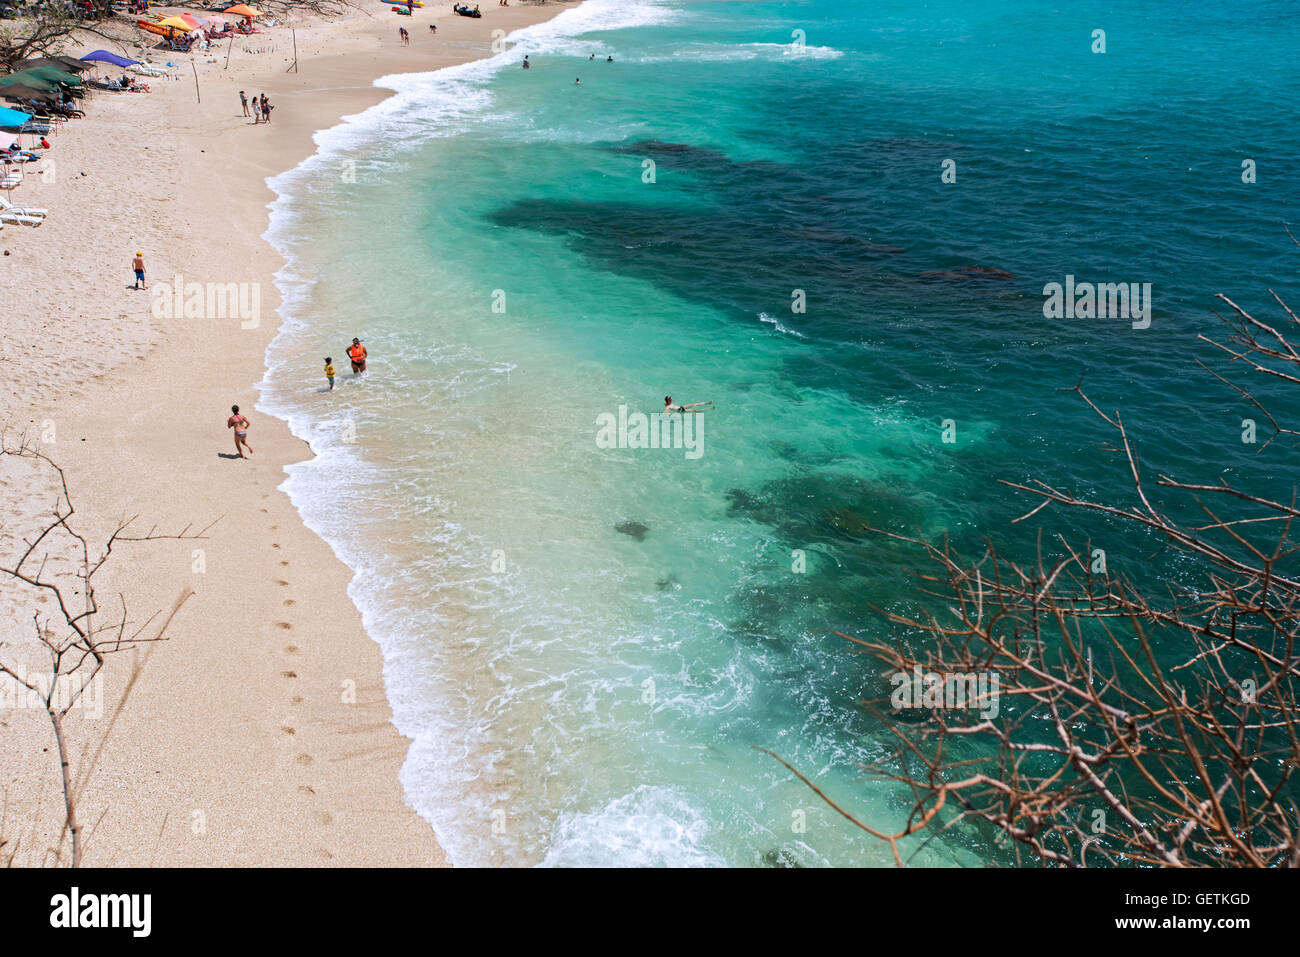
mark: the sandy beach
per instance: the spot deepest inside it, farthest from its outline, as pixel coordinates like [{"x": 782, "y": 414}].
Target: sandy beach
[{"x": 258, "y": 733}]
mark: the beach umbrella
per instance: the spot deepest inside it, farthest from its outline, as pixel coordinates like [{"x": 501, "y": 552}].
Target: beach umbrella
[
  {"x": 194, "y": 22},
  {"x": 58, "y": 62},
  {"x": 103, "y": 56},
  {"x": 218, "y": 18},
  {"x": 69, "y": 63},
  {"x": 176, "y": 23},
  {"x": 12, "y": 118},
  {"x": 73, "y": 64},
  {"x": 242, "y": 10},
  {"x": 20, "y": 91},
  {"x": 50, "y": 74},
  {"x": 28, "y": 82}
]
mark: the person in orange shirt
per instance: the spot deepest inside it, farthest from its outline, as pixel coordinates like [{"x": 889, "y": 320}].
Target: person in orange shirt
[{"x": 357, "y": 355}]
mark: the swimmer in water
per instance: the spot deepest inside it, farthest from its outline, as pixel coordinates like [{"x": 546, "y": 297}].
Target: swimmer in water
[{"x": 669, "y": 408}]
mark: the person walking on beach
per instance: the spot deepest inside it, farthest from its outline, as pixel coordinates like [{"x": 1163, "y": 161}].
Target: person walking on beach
[
  {"x": 669, "y": 408},
  {"x": 404, "y": 36},
  {"x": 243, "y": 101},
  {"x": 240, "y": 424},
  {"x": 329, "y": 371},
  {"x": 357, "y": 355},
  {"x": 138, "y": 265},
  {"x": 266, "y": 109}
]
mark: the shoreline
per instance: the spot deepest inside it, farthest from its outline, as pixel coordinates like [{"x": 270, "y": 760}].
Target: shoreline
[{"x": 260, "y": 732}]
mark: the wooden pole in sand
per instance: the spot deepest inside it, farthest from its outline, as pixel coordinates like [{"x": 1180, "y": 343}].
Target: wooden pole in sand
[
  {"x": 294, "y": 33},
  {"x": 228, "y": 49},
  {"x": 197, "y": 96}
]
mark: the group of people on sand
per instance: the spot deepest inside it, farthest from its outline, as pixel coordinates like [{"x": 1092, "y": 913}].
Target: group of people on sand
[
  {"x": 261, "y": 107},
  {"x": 239, "y": 422}
]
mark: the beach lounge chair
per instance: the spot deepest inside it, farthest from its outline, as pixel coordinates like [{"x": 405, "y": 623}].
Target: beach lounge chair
[
  {"x": 11, "y": 178},
  {"x": 19, "y": 220},
  {"x": 36, "y": 212}
]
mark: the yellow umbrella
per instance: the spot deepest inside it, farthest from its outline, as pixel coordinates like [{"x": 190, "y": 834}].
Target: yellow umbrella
[{"x": 176, "y": 22}]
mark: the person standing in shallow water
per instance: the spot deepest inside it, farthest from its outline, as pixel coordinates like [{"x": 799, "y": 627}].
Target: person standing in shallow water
[
  {"x": 240, "y": 424},
  {"x": 357, "y": 356}
]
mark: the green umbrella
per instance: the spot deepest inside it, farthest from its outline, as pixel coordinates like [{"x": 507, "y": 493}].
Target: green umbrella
[
  {"x": 26, "y": 78},
  {"x": 55, "y": 74}
]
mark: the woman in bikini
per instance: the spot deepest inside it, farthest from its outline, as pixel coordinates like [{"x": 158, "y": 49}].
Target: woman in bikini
[{"x": 240, "y": 424}]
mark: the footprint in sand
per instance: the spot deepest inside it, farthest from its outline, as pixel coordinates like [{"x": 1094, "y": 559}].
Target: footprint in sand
[
  {"x": 307, "y": 788},
  {"x": 291, "y": 649},
  {"x": 324, "y": 818},
  {"x": 281, "y": 581},
  {"x": 264, "y": 510},
  {"x": 283, "y": 624},
  {"x": 275, "y": 544},
  {"x": 288, "y": 730},
  {"x": 288, "y": 674},
  {"x": 283, "y": 563},
  {"x": 289, "y": 601},
  {"x": 296, "y": 699},
  {"x": 305, "y": 759}
]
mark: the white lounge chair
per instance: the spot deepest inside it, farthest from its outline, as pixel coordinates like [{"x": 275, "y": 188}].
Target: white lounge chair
[
  {"x": 21, "y": 220},
  {"x": 11, "y": 179},
  {"x": 16, "y": 209}
]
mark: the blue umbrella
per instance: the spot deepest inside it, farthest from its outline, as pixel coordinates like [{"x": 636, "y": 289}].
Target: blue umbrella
[
  {"x": 13, "y": 118},
  {"x": 106, "y": 57}
]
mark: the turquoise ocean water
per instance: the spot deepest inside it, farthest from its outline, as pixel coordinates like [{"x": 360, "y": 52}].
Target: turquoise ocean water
[{"x": 581, "y": 694}]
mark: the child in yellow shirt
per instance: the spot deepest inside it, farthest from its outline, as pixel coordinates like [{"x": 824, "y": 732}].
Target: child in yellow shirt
[{"x": 329, "y": 371}]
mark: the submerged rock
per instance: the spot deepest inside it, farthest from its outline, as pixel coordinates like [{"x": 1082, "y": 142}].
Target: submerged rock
[
  {"x": 966, "y": 274},
  {"x": 779, "y": 857},
  {"x": 635, "y": 529}
]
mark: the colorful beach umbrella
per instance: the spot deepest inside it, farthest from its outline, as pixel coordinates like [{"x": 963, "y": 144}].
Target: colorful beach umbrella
[
  {"x": 242, "y": 10},
  {"x": 176, "y": 23},
  {"x": 194, "y": 22}
]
